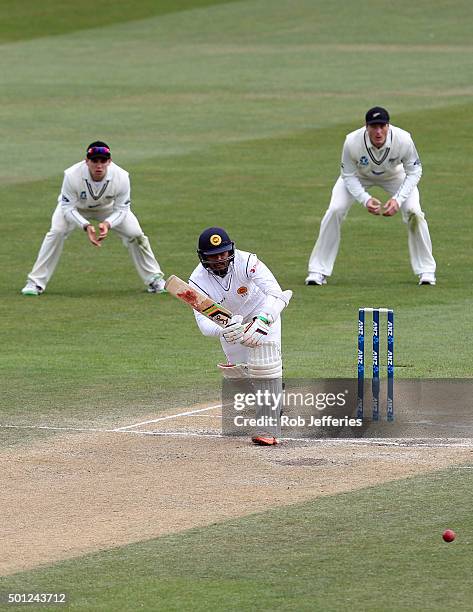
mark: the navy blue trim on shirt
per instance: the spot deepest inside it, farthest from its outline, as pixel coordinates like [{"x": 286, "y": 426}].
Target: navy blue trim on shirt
[
  {"x": 248, "y": 261},
  {"x": 101, "y": 192},
  {"x": 378, "y": 162},
  {"x": 200, "y": 288},
  {"x": 217, "y": 279}
]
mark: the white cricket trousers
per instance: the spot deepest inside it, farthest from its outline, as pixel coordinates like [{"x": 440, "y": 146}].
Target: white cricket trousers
[
  {"x": 129, "y": 231},
  {"x": 236, "y": 354},
  {"x": 325, "y": 251}
]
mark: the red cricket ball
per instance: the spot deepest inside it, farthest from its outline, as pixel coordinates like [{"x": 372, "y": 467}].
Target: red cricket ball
[{"x": 448, "y": 535}]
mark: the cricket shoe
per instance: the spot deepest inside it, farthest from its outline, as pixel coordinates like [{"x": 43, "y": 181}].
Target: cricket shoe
[
  {"x": 32, "y": 288},
  {"x": 157, "y": 285},
  {"x": 427, "y": 278},
  {"x": 264, "y": 440},
  {"x": 316, "y": 278}
]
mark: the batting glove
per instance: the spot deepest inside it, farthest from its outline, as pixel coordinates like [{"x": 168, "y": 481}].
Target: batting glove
[
  {"x": 233, "y": 332},
  {"x": 256, "y": 332}
]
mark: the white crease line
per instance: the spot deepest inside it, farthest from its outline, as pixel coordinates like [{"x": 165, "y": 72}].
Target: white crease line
[
  {"x": 57, "y": 428},
  {"x": 418, "y": 442},
  {"x": 175, "y": 434},
  {"x": 97, "y": 430},
  {"x": 171, "y": 416},
  {"x": 404, "y": 442}
]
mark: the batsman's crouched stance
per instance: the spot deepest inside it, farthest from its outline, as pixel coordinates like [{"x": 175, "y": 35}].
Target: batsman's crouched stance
[{"x": 251, "y": 340}]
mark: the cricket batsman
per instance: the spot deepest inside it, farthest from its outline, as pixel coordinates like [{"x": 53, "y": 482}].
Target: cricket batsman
[{"x": 251, "y": 341}]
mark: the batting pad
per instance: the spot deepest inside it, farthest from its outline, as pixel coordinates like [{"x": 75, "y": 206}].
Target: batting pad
[{"x": 265, "y": 361}]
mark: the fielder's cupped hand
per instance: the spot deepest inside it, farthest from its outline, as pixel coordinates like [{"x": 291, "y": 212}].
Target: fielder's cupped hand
[
  {"x": 256, "y": 332},
  {"x": 91, "y": 235},
  {"x": 374, "y": 206},
  {"x": 233, "y": 332},
  {"x": 103, "y": 230},
  {"x": 390, "y": 208}
]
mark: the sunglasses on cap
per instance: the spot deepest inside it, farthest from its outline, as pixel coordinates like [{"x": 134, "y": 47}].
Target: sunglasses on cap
[{"x": 98, "y": 152}]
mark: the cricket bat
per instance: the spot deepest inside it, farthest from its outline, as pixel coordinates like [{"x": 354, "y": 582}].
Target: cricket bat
[{"x": 198, "y": 301}]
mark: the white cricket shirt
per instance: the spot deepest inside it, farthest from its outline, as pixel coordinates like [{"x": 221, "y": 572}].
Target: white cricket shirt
[
  {"x": 80, "y": 194},
  {"x": 248, "y": 289},
  {"x": 364, "y": 165}
]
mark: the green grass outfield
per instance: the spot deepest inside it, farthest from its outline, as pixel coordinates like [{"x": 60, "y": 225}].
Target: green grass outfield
[
  {"x": 378, "y": 549},
  {"x": 228, "y": 113}
]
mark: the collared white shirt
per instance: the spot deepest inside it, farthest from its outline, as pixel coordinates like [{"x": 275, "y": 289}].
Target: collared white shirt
[
  {"x": 363, "y": 165},
  {"x": 80, "y": 194},
  {"x": 244, "y": 290}
]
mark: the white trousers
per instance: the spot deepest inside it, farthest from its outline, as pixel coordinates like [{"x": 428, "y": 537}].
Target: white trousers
[
  {"x": 325, "y": 251},
  {"x": 237, "y": 353},
  {"x": 129, "y": 231}
]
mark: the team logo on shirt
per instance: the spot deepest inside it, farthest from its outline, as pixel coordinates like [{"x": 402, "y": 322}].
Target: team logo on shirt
[
  {"x": 242, "y": 290},
  {"x": 83, "y": 195},
  {"x": 215, "y": 239},
  {"x": 253, "y": 269},
  {"x": 364, "y": 160}
]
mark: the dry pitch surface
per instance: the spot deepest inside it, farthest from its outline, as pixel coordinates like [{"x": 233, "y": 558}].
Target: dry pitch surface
[{"x": 86, "y": 490}]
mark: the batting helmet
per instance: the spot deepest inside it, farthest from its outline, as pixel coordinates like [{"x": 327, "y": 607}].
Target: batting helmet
[{"x": 212, "y": 241}]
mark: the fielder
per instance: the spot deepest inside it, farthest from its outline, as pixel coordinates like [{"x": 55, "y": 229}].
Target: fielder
[
  {"x": 252, "y": 340},
  {"x": 383, "y": 155},
  {"x": 95, "y": 189}
]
